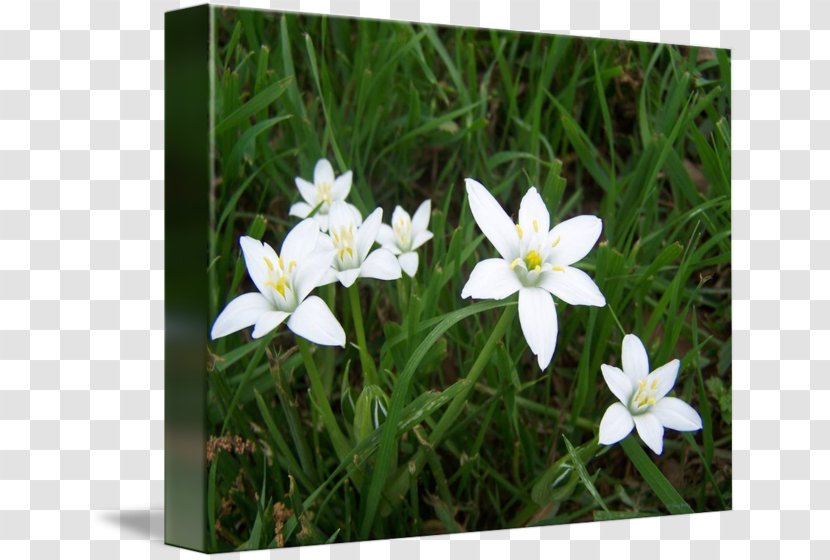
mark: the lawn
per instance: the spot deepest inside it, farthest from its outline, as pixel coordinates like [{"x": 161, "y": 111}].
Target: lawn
[{"x": 463, "y": 431}]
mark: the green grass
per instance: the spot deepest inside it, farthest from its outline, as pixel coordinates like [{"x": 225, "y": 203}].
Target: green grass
[{"x": 475, "y": 437}]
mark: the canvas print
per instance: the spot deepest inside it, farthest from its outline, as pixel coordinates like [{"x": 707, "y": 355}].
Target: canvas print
[{"x": 427, "y": 279}]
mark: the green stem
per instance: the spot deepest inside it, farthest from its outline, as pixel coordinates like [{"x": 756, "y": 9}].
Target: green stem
[
  {"x": 452, "y": 412},
  {"x": 370, "y": 372},
  {"x": 448, "y": 420},
  {"x": 401, "y": 285},
  {"x": 614, "y": 315},
  {"x": 318, "y": 392}
]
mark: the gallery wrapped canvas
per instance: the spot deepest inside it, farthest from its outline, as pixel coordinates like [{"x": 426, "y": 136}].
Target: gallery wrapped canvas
[{"x": 425, "y": 279}]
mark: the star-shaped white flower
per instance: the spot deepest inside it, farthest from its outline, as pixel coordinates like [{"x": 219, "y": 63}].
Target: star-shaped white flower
[
  {"x": 406, "y": 234},
  {"x": 284, "y": 283},
  {"x": 352, "y": 241},
  {"x": 643, "y": 401},
  {"x": 535, "y": 261},
  {"x": 326, "y": 190}
]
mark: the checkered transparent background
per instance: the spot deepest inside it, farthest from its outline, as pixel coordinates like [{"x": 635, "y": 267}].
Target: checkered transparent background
[{"x": 81, "y": 279}]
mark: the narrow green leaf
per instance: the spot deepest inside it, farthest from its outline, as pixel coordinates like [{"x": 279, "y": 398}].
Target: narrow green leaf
[
  {"x": 255, "y": 104},
  {"x": 583, "y": 473},
  {"x": 664, "y": 490},
  {"x": 388, "y": 447}
]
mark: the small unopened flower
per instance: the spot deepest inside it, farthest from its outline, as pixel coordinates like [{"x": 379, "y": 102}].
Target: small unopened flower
[
  {"x": 535, "y": 261},
  {"x": 325, "y": 190},
  {"x": 643, "y": 401},
  {"x": 406, "y": 234},
  {"x": 284, "y": 282},
  {"x": 352, "y": 242}
]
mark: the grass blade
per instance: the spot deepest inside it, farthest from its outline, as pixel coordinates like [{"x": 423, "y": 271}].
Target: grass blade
[
  {"x": 583, "y": 474},
  {"x": 673, "y": 501}
]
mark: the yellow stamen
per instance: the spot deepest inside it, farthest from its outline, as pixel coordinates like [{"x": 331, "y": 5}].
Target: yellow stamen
[
  {"x": 268, "y": 263},
  {"x": 519, "y": 231},
  {"x": 533, "y": 260},
  {"x": 291, "y": 265},
  {"x": 556, "y": 241},
  {"x": 558, "y": 268},
  {"x": 279, "y": 285},
  {"x": 535, "y": 224},
  {"x": 281, "y": 263},
  {"x": 515, "y": 263},
  {"x": 324, "y": 193}
]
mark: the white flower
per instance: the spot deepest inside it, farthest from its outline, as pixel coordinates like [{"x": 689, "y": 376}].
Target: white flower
[
  {"x": 643, "y": 401},
  {"x": 326, "y": 190},
  {"x": 405, "y": 235},
  {"x": 351, "y": 242},
  {"x": 284, "y": 283},
  {"x": 535, "y": 262}
]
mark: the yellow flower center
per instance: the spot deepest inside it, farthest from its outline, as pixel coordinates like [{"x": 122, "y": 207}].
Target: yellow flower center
[
  {"x": 324, "y": 193},
  {"x": 279, "y": 274},
  {"x": 344, "y": 240},
  {"x": 533, "y": 260},
  {"x": 403, "y": 232},
  {"x": 646, "y": 394}
]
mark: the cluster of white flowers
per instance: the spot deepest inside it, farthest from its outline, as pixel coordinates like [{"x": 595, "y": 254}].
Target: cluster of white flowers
[
  {"x": 333, "y": 243},
  {"x": 536, "y": 262}
]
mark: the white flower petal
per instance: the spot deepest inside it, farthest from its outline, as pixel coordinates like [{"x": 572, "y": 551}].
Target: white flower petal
[
  {"x": 311, "y": 272},
  {"x": 307, "y": 191},
  {"x": 386, "y": 236},
  {"x": 634, "y": 358},
  {"x": 491, "y": 279},
  {"x": 616, "y": 423},
  {"x": 533, "y": 214},
  {"x": 665, "y": 375},
  {"x": 537, "y": 316},
  {"x": 381, "y": 264},
  {"x": 322, "y": 221},
  {"x": 572, "y": 286},
  {"x": 342, "y": 186},
  {"x": 619, "y": 383},
  {"x": 324, "y": 242},
  {"x": 241, "y": 312},
  {"x": 329, "y": 277},
  {"x": 323, "y": 173},
  {"x": 358, "y": 217},
  {"x": 677, "y": 415},
  {"x": 367, "y": 233},
  {"x": 314, "y": 321},
  {"x": 254, "y": 255},
  {"x": 492, "y": 220},
  {"x": 399, "y": 213},
  {"x": 420, "y": 219},
  {"x": 409, "y": 263},
  {"x": 300, "y": 209},
  {"x": 268, "y": 322},
  {"x": 573, "y": 239},
  {"x": 300, "y": 241},
  {"x": 340, "y": 215},
  {"x": 347, "y": 277},
  {"x": 650, "y": 430},
  {"x": 420, "y": 238}
]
